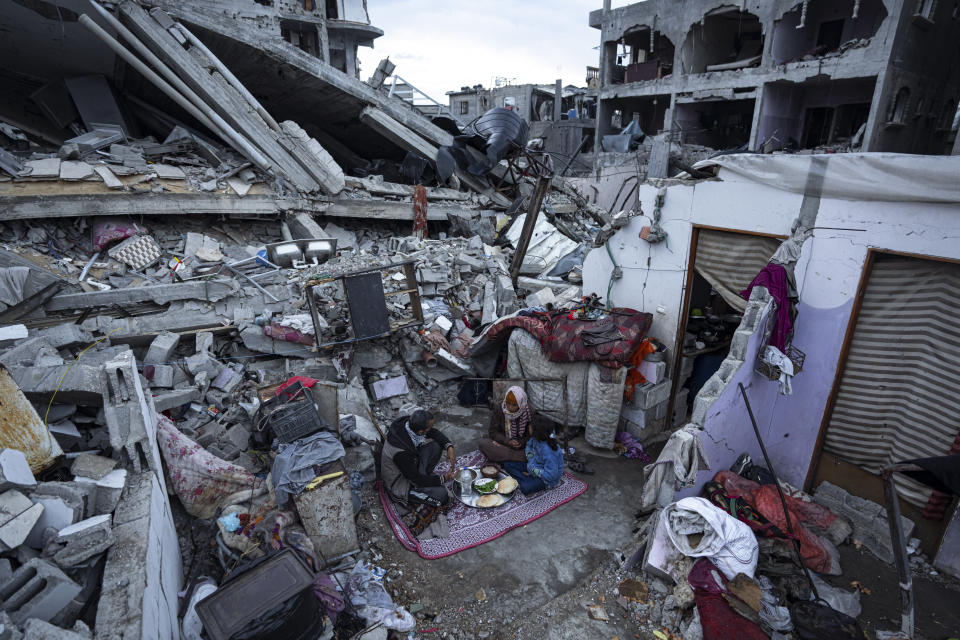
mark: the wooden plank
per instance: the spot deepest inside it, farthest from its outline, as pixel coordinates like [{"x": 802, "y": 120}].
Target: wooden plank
[{"x": 109, "y": 204}]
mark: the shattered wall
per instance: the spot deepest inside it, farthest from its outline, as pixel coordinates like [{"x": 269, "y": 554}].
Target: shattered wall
[{"x": 828, "y": 275}]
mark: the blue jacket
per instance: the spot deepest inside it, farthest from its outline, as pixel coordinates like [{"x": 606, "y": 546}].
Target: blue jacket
[{"x": 543, "y": 462}]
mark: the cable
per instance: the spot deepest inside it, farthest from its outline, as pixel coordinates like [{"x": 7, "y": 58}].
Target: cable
[{"x": 89, "y": 346}]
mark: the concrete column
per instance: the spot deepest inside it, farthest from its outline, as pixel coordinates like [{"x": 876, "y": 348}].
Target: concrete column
[
  {"x": 350, "y": 52},
  {"x": 558, "y": 101},
  {"x": 878, "y": 111},
  {"x": 755, "y": 125}
]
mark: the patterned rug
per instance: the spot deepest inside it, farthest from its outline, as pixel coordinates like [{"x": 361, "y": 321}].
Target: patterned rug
[{"x": 471, "y": 527}]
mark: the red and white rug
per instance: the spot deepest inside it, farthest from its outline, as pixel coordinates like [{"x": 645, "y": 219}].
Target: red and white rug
[{"x": 470, "y": 527}]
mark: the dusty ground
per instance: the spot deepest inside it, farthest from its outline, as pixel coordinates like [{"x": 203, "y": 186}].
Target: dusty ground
[{"x": 534, "y": 582}]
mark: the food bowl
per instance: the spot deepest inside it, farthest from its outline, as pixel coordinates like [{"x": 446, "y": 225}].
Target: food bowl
[
  {"x": 490, "y": 471},
  {"x": 485, "y": 485}
]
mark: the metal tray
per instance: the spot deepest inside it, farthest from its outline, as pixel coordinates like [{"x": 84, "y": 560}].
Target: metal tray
[{"x": 471, "y": 499}]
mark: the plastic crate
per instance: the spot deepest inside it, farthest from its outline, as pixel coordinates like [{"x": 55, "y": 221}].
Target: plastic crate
[{"x": 295, "y": 420}]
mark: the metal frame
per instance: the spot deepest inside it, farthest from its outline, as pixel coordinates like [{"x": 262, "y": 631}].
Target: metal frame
[
  {"x": 412, "y": 287},
  {"x": 566, "y": 399}
]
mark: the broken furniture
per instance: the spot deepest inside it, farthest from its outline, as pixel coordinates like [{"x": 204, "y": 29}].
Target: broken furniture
[{"x": 367, "y": 302}]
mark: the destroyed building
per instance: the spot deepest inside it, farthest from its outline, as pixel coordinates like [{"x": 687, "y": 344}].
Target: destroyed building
[
  {"x": 229, "y": 269},
  {"x": 870, "y": 75}
]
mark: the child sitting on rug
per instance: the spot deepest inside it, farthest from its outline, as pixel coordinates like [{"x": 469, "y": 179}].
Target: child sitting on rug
[{"x": 544, "y": 464}]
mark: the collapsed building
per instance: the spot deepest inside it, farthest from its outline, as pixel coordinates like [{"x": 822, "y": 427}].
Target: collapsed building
[
  {"x": 864, "y": 75},
  {"x": 221, "y": 259}
]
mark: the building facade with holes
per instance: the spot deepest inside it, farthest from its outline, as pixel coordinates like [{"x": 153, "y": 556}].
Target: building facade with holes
[
  {"x": 867, "y": 75},
  {"x": 876, "y": 263}
]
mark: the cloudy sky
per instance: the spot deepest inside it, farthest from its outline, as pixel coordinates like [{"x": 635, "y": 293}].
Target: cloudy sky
[{"x": 441, "y": 45}]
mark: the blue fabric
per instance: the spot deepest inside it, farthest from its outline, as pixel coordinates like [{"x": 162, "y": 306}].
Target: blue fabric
[
  {"x": 527, "y": 484},
  {"x": 544, "y": 462}
]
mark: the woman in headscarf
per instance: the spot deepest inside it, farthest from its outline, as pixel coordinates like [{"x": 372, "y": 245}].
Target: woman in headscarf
[{"x": 510, "y": 427}]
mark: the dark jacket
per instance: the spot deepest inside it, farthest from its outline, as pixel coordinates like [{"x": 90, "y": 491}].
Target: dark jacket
[{"x": 406, "y": 457}]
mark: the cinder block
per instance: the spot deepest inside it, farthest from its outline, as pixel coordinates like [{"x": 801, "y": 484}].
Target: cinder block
[
  {"x": 175, "y": 398},
  {"x": 162, "y": 375},
  {"x": 14, "y": 470},
  {"x": 66, "y": 334},
  {"x": 130, "y": 420},
  {"x": 869, "y": 519},
  {"x": 103, "y": 494},
  {"x": 643, "y": 423},
  {"x": 37, "y": 590},
  {"x": 647, "y": 395},
  {"x": 654, "y": 372},
  {"x": 327, "y": 516},
  {"x": 238, "y": 435},
  {"x": 18, "y": 515}
]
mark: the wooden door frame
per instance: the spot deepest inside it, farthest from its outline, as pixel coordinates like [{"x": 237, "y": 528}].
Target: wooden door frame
[
  {"x": 685, "y": 305},
  {"x": 868, "y": 264}
]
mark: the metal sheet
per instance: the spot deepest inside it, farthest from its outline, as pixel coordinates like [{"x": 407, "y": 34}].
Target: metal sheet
[{"x": 22, "y": 429}]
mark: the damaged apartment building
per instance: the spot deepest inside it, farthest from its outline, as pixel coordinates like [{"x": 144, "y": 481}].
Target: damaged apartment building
[{"x": 866, "y": 75}]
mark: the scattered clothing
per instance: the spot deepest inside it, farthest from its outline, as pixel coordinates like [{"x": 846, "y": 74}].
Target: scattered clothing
[
  {"x": 632, "y": 448},
  {"x": 676, "y": 468},
  {"x": 297, "y": 463},
  {"x": 718, "y": 620}
]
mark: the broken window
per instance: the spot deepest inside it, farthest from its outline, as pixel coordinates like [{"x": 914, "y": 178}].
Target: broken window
[
  {"x": 464, "y": 107},
  {"x": 925, "y": 8},
  {"x": 825, "y": 28},
  {"x": 724, "y": 39},
  {"x": 898, "y": 108},
  {"x": 644, "y": 54},
  {"x": 333, "y": 12},
  {"x": 719, "y": 124},
  {"x": 302, "y": 35}
]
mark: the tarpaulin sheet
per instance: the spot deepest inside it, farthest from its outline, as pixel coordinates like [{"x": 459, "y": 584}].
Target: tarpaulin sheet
[{"x": 884, "y": 177}]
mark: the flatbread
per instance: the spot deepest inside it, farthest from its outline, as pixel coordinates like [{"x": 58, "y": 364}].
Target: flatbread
[
  {"x": 507, "y": 486},
  {"x": 490, "y": 500}
]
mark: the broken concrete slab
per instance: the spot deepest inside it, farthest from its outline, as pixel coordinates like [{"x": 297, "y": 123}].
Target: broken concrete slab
[
  {"x": 207, "y": 290},
  {"x": 345, "y": 239},
  {"x": 143, "y": 571},
  {"x": 303, "y": 226},
  {"x": 83, "y": 540},
  {"x": 389, "y": 388},
  {"x": 104, "y": 494},
  {"x": 130, "y": 420},
  {"x": 41, "y": 630},
  {"x": 75, "y": 170},
  {"x": 66, "y": 334},
  {"x": 18, "y": 515},
  {"x": 869, "y": 519},
  {"x": 175, "y": 398},
  {"x": 15, "y": 471},
  {"x": 92, "y": 466},
  {"x": 327, "y": 516},
  {"x": 162, "y": 348},
  {"x": 57, "y": 514}
]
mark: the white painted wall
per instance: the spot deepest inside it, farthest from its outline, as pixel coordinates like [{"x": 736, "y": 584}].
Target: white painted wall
[{"x": 734, "y": 204}]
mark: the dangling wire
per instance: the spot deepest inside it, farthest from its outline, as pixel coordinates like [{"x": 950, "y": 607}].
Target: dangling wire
[{"x": 803, "y": 15}]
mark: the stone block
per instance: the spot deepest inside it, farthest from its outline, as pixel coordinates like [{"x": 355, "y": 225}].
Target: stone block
[
  {"x": 869, "y": 519},
  {"x": 238, "y": 435},
  {"x": 225, "y": 451},
  {"x": 18, "y": 515},
  {"x": 303, "y": 226},
  {"x": 14, "y": 470},
  {"x": 643, "y": 423},
  {"x": 92, "y": 466},
  {"x": 12, "y": 334},
  {"x": 79, "y": 384},
  {"x": 162, "y": 348},
  {"x": 210, "y": 433},
  {"x": 389, "y": 388},
  {"x": 77, "y": 543},
  {"x": 159, "y": 375},
  {"x": 648, "y": 395},
  {"x": 57, "y": 514},
  {"x": 327, "y": 516},
  {"x": 541, "y": 298},
  {"x": 203, "y": 363},
  {"x": 142, "y": 574},
  {"x": 66, "y": 334},
  {"x": 176, "y": 398},
  {"x": 38, "y": 590},
  {"x": 345, "y": 239},
  {"x": 227, "y": 380},
  {"x": 654, "y": 372},
  {"x": 25, "y": 353},
  {"x": 40, "y": 630}
]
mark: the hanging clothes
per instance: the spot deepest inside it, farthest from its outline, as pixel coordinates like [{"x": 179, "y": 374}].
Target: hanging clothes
[{"x": 775, "y": 279}]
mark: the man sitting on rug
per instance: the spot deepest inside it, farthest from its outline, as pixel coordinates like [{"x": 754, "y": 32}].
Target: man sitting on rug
[
  {"x": 544, "y": 465},
  {"x": 411, "y": 452}
]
